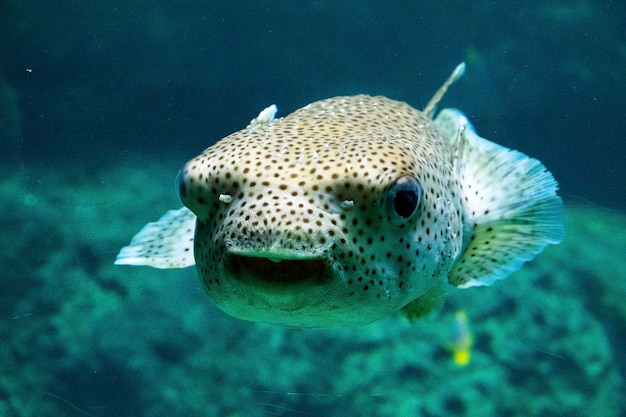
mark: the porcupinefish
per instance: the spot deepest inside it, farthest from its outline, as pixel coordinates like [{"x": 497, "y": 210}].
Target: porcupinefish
[{"x": 349, "y": 209}]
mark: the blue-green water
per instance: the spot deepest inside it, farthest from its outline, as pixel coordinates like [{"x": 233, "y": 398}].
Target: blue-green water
[{"x": 102, "y": 102}]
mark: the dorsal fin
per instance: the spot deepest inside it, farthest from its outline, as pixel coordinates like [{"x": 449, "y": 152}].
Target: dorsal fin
[{"x": 432, "y": 104}]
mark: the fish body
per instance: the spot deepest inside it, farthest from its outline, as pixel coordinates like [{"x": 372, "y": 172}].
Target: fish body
[{"x": 349, "y": 209}]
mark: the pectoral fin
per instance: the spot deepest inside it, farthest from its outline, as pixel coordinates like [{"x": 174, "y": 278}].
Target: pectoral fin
[
  {"x": 511, "y": 210},
  {"x": 166, "y": 243}
]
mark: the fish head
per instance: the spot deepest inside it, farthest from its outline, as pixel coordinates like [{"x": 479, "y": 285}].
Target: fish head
[{"x": 338, "y": 214}]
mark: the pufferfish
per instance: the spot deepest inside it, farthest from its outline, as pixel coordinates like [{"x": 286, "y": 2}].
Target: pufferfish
[{"x": 350, "y": 209}]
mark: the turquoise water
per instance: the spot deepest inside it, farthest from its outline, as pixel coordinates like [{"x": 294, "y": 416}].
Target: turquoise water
[{"x": 101, "y": 104}]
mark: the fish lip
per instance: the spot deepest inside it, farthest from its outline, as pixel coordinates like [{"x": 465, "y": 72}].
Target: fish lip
[{"x": 272, "y": 270}]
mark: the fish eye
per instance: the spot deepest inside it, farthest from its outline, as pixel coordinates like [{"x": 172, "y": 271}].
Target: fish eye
[
  {"x": 403, "y": 198},
  {"x": 181, "y": 185}
]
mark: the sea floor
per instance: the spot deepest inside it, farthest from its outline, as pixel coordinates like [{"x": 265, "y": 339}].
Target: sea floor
[{"x": 84, "y": 337}]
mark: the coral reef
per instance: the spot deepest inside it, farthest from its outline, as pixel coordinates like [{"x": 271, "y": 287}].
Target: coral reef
[{"x": 82, "y": 333}]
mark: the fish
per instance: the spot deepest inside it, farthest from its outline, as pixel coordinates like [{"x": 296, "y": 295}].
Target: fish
[
  {"x": 461, "y": 344},
  {"x": 350, "y": 209}
]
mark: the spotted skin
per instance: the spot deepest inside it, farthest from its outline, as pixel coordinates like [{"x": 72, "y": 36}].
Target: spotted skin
[
  {"x": 288, "y": 179},
  {"x": 347, "y": 210}
]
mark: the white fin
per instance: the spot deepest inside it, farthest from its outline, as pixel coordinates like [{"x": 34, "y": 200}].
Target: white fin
[
  {"x": 166, "y": 243},
  {"x": 511, "y": 209},
  {"x": 265, "y": 116}
]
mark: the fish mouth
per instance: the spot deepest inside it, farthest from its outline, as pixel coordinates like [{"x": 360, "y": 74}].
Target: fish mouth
[
  {"x": 275, "y": 271},
  {"x": 301, "y": 292}
]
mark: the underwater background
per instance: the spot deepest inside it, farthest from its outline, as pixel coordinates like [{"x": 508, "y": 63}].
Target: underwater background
[{"x": 102, "y": 102}]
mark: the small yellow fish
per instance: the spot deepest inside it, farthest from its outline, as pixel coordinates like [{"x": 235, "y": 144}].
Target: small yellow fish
[
  {"x": 349, "y": 209},
  {"x": 461, "y": 345}
]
